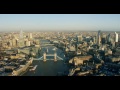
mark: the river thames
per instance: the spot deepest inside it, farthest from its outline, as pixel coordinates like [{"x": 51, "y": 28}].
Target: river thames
[{"x": 49, "y": 68}]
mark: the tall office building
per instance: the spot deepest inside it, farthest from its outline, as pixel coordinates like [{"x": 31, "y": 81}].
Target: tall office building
[
  {"x": 58, "y": 34},
  {"x": 113, "y": 44},
  {"x": 10, "y": 43},
  {"x": 21, "y": 40},
  {"x": 109, "y": 38},
  {"x": 94, "y": 40},
  {"x": 79, "y": 38},
  {"x": 99, "y": 37},
  {"x": 30, "y": 36},
  {"x": 116, "y": 37},
  {"x": 14, "y": 42},
  {"x": 21, "y": 34},
  {"x": 103, "y": 39},
  {"x": 78, "y": 52}
]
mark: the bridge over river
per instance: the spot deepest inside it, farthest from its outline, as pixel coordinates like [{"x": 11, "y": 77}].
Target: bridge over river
[{"x": 50, "y": 62}]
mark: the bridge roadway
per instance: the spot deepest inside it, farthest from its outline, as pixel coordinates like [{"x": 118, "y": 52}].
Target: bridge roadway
[
  {"x": 43, "y": 45},
  {"x": 41, "y": 58}
]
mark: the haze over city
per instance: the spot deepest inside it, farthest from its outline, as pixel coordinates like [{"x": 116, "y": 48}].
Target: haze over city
[{"x": 59, "y": 22}]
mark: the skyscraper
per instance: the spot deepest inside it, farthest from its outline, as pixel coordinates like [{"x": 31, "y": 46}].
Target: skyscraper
[
  {"x": 103, "y": 39},
  {"x": 94, "y": 39},
  {"x": 21, "y": 40},
  {"x": 79, "y": 38},
  {"x": 14, "y": 42},
  {"x": 109, "y": 38},
  {"x": 30, "y": 35},
  {"x": 116, "y": 37},
  {"x": 21, "y": 34},
  {"x": 99, "y": 37}
]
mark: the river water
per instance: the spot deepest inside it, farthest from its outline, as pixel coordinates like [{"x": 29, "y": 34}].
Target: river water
[{"x": 49, "y": 68}]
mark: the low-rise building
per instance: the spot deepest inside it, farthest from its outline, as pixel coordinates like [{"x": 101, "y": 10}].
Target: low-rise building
[
  {"x": 115, "y": 59},
  {"x": 80, "y": 59}
]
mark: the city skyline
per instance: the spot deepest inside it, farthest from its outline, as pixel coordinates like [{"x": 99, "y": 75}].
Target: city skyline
[
  {"x": 60, "y": 53},
  {"x": 59, "y": 22}
]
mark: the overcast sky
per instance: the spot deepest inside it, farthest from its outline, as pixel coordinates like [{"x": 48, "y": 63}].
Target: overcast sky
[{"x": 16, "y": 22}]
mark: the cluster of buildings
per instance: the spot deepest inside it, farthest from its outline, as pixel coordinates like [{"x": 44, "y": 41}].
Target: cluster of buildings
[
  {"x": 87, "y": 53},
  {"x": 13, "y": 40},
  {"x": 14, "y": 60},
  {"x": 102, "y": 51},
  {"x": 16, "y": 52},
  {"x": 90, "y": 53}
]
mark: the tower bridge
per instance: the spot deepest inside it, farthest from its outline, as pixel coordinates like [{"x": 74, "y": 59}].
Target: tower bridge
[
  {"x": 44, "y": 45},
  {"x": 44, "y": 57}
]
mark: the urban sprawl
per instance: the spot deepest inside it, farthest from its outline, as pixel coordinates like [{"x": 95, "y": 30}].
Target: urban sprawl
[{"x": 87, "y": 53}]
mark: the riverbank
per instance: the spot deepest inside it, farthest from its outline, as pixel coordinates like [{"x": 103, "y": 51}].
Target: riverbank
[
  {"x": 23, "y": 69},
  {"x": 49, "y": 68}
]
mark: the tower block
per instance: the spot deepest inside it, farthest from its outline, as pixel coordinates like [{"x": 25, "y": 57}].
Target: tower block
[
  {"x": 44, "y": 57},
  {"x": 55, "y": 57}
]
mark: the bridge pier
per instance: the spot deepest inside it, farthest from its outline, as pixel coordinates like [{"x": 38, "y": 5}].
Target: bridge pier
[
  {"x": 44, "y": 57},
  {"x": 55, "y": 57}
]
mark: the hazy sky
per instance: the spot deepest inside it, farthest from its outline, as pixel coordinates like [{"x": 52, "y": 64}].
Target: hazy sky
[{"x": 16, "y": 22}]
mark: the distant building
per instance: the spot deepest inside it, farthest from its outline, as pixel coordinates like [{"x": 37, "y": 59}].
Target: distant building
[
  {"x": 63, "y": 37},
  {"x": 79, "y": 38},
  {"x": 99, "y": 37},
  {"x": 91, "y": 43},
  {"x": 103, "y": 39},
  {"x": 80, "y": 59},
  {"x": 37, "y": 42},
  {"x": 113, "y": 44},
  {"x": 30, "y": 36},
  {"x": 116, "y": 37},
  {"x": 10, "y": 43},
  {"x": 21, "y": 43},
  {"x": 27, "y": 43},
  {"x": 78, "y": 52},
  {"x": 94, "y": 40},
  {"x": 115, "y": 59},
  {"x": 109, "y": 38},
  {"x": 108, "y": 52},
  {"x": 21, "y": 34},
  {"x": 14, "y": 42},
  {"x": 21, "y": 40}
]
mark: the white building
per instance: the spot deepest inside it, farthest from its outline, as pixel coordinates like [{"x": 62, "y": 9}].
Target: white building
[
  {"x": 27, "y": 43},
  {"x": 30, "y": 35},
  {"x": 79, "y": 38},
  {"x": 21, "y": 34},
  {"x": 116, "y": 37}
]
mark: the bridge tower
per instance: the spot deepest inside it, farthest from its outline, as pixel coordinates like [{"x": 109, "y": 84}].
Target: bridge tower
[
  {"x": 55, "y": 57},
  {"x": 44, "y": 57}
]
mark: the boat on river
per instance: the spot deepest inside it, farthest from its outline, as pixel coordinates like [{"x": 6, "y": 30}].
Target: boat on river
[{"x": 34, "y": 68}]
